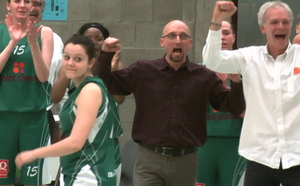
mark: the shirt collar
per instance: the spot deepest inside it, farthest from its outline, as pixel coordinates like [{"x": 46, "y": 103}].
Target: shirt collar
[
  {"x": 164, "y": 64},
  {"x": 286, "y": 51}
]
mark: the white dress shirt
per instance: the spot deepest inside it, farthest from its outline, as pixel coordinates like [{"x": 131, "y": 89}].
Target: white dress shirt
[{"x": 271, "y": 128}]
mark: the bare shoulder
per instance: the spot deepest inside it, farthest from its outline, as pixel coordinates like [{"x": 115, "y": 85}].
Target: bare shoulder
[
  {"x": 46, "y": 30},
  {"x": 91, "y": 90},
  {"x": 90, "y": 94},
  {"x": 296, "y": 39}
]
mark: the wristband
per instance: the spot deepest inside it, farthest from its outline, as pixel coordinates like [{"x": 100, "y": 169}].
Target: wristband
[{"x": 216, "y": 24}]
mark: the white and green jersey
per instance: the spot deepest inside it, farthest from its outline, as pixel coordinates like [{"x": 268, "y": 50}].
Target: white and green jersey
[{"x": 95, "y": 163}]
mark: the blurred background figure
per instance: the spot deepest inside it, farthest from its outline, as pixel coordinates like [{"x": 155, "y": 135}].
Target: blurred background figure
[
  {"x": 219, "y": 162},
  {"x": 296, "y": 39}
]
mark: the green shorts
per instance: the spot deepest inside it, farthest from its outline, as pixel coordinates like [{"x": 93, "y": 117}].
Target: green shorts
[
  {"x": 219, "y": 162},
  {"x": 20, "y": 132}
]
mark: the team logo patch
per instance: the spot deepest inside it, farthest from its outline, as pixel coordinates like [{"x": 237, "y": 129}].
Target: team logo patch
[
  {"x": 4, "y": 168},
  {"x": 200, "y": 184},
  {"x": 296, "y": 70}
]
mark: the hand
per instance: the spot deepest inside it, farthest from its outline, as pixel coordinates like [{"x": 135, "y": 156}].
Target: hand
[
  {"x": 15, "y": 30},
  {"x": 223, "y": 10},
  {"x": 115, "y": 61},
  {"x": 33, "y": 32},
  {"x": 111, "y": 44},
  {"x": 222, "y": 76},
  {"x": 224, "y": 79},
  {"x": 235, "y": 77},
  {"x": 24, "y": 158}
]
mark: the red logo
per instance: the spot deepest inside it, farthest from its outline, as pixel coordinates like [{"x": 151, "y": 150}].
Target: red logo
[
  {"x": 19, "y": 67},
  {"x": 200, "y": 184},
  {"x": 4, "y": 168},
  {"x": 296, "y": 70}
]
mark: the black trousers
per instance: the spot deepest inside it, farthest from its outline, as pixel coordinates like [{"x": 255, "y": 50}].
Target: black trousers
[
  {"x": 53, "y": 126},
  {"x": 261, "y": 175}
]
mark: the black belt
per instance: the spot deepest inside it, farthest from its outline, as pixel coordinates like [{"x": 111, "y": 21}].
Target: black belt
[{"x": 170, "y": 151}]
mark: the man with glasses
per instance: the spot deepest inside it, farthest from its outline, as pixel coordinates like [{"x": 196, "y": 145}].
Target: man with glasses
[
  {"x": 171, "y": 95},
  {"x": 36, "y": 16}
]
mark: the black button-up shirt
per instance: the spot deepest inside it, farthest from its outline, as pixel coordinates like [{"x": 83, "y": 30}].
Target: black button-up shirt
[{"x": 170, "y": 105}]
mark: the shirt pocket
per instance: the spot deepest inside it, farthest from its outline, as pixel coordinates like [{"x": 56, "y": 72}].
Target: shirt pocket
[{"x": 293, "y": 85}]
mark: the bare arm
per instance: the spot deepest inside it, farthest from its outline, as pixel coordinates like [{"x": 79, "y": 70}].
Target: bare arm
[
  {"x": 60, "y": 86},
  {"x": 117, "y": 65},
  {"x": 15, "y": 33},
  {"x": 41, "y": 59},
  {"x": 88, "y": 103},
  {"x": 296, "y": 39}
]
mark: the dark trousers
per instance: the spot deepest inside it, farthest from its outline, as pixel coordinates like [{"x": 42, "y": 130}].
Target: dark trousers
[
  {"x": 261, "y": 175},
  {"x": 152, "y": 169},
  {"x": 53, "y": 126}
]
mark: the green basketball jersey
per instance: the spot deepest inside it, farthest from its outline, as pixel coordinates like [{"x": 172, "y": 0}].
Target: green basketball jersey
[
  {"x": 222, "y": 124},
  {"x": 20, "y": 89},
  {"x": 96, "y": 158}
]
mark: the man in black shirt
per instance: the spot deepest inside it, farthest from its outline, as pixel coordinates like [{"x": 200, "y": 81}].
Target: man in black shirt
[{"x": 171, "y": 95}]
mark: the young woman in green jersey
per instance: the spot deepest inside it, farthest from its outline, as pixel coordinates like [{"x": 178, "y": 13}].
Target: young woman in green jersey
[
  {"x": 97, "y": 33},
  {"x": 87, "y": 117},
  {"x": 25, "y": 55}
]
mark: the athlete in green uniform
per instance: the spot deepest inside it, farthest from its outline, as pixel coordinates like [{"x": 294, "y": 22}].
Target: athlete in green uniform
[
  {"x": 88, "y": 121},
  {"x": 98, "y": 33},
  {"x": 24, "y": 70},
  {"x": 218, "y": 160}
]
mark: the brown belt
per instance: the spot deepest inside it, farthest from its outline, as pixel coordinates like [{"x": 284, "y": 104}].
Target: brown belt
[{"x": 170, "y": 151}]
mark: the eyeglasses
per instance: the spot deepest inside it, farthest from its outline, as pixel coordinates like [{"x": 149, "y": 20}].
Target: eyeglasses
[
  {"x": 174, "y": 36},
  {"x": 37, "y": 4}
]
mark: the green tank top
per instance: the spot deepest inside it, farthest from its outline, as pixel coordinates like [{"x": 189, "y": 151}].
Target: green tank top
[
  {"x": 97, "y": 154},
  {"x": 20, "y": 89},
  {"x": 222, "y": 124}
]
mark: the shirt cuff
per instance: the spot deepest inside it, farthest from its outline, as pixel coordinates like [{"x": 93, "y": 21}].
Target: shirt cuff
[{"x": 214, "y": 35}]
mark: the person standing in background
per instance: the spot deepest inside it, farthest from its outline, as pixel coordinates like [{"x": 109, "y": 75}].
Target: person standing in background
[
  {"x": 218, "y": 160},
  {"x": 98, "y": 33},
  {"x": 296, "y": 39},
  {"x": 36, "y": 16},
  {"x": 26, "y": 53}
]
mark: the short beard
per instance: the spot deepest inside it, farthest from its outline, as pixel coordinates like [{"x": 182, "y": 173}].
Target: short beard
[{"x": 176, "y": 60}]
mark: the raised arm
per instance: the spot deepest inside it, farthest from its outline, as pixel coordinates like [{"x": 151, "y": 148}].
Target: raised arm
[
  {"x": 117, "y": 65},
  {"x": 60, "y": 86},
  {"x": 41, "y": 59},
  {"x": 222, "y": 11},
  {"x": 213, "y": 56},
  {"x": 15, "y": 33},
  {"x": 113, "y": 80}
]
